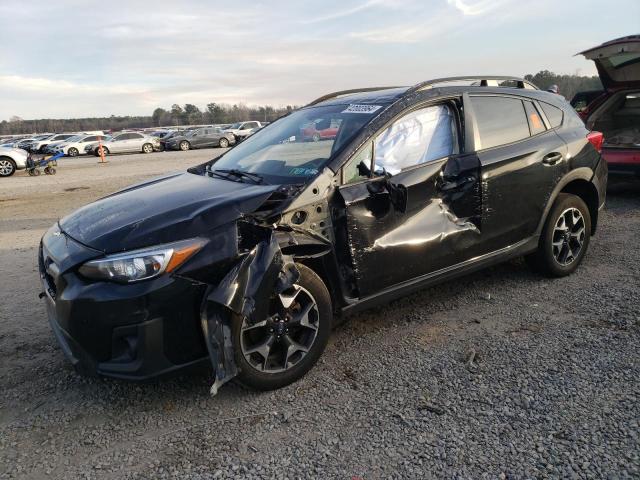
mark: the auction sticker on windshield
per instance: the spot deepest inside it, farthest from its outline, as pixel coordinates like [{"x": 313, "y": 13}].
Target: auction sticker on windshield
[{"x": 362, "y": 108}]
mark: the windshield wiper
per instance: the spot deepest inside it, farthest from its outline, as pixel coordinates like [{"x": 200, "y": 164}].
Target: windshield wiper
[{"x": 256, "y": 178}]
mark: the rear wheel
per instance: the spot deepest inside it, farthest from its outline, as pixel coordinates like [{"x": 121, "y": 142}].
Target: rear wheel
[
  {"x": 565, "y": 237},
  {"x": 283, "y": 347},
  {"x": 7, "y": 167},
  {"x": 184, "y": 145},
  {"x": 316, "y": 137},
  {"x": 73, "y": 152},
  {"x": 224, "y": 143},
  {"x": 147, "y": 148}
]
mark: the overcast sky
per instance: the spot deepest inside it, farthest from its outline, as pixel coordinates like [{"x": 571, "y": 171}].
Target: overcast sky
[{"x": 72, "y": 58}]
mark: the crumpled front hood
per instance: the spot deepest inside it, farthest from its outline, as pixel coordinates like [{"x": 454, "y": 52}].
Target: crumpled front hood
[{"x": 162, "y": 210}]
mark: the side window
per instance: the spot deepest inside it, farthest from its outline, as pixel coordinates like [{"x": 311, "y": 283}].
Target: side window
[
  {"x": 90, "y": 139},
  {"x": 500, "y": 120},
  {"x": 359, "y": 167},
  {"x": 554, "y": 114},
  {"x": 536, "y": 125},
  {"x": 418, "y": 137},
  {"x": 135, "y": 135}
]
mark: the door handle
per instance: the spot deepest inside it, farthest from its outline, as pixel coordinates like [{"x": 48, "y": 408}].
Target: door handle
[{"x": 552, "y": 158}]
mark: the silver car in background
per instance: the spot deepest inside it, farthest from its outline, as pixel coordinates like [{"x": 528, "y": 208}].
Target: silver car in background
[
  {"x": 12, "y": 159},
  {"x": 128, "y": 142}
]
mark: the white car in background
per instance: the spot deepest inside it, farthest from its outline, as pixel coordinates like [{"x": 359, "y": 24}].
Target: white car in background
[
  {"x": 75, "y": 146},
  {"x": 12, "y": 159},
  {"x": 40, "y": 145},
  {"x": 242, "y": 130}
]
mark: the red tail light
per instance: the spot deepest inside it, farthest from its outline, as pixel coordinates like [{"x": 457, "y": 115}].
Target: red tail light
[{"x": 596, "y": 139}]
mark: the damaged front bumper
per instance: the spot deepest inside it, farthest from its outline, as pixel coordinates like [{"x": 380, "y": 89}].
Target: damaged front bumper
[{"x": 142, "y": 330}]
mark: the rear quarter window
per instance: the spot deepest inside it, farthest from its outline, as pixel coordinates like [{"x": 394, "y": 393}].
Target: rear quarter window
[
  {"x": 536, "y": 125},
  {"x": 500, "y": 120},
  {"x": 554, "y": 114}
]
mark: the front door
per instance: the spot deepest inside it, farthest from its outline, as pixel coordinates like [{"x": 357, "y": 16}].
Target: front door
[{"x": 419, "y": 211}]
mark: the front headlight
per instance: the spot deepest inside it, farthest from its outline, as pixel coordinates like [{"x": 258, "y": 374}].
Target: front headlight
[{"x": 143, "y": 264}]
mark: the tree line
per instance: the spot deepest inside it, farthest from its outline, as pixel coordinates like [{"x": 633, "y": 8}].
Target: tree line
[
  {"x": 190, "y": 114},
  {"x": 568, "y": 85}
]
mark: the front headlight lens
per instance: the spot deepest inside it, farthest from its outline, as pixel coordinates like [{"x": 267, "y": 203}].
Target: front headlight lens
[{"x": 142, "y": 264}]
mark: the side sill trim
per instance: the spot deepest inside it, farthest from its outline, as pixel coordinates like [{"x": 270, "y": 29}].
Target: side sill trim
[{"x": 525, "y": 246}]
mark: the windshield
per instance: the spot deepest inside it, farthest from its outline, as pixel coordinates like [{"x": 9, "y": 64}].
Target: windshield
[
  {"x": 234, "y": 126},
  {"x": 296, "y": 147}
]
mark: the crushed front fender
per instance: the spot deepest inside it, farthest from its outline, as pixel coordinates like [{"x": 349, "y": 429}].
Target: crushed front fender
[{"x": 243, "y": 293}]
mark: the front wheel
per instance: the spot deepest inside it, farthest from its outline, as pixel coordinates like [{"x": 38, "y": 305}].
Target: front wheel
[
  {"x": 278, "y": 350},
  {"x": 565, "y": 237},
  {"x": 184, "y": 146},
  {"x": 7, "y": 167},
  {"x": 147, "y": 148},
  {"x": 104, "y": 150},
  {"x": 73, "y": 152},
  {"x": 224, "y": 143}
]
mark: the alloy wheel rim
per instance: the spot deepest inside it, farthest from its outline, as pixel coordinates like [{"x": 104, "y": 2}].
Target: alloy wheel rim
[
  {"x": 5, "y": 167},
  {"x": 147, "y": 148},
  {"x": 184, "y": 146},
  {"x": 568, "y": 236},
  {"x": 284, "y": 338}
]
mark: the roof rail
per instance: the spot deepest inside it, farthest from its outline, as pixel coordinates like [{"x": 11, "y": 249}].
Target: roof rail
[
  {"x": 483, "y": 81},
  {"x": 346, "y": 92}
]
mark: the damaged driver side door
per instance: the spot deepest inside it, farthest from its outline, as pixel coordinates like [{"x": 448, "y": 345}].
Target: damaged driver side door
[{"x": 412, "y": 200}]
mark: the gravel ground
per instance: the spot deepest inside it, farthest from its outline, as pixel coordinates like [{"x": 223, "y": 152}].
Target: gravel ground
[{"x": 501, "y": 374}]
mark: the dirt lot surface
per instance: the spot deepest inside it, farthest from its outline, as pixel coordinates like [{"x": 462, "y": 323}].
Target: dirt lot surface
[{"x": 501, "y": 374}]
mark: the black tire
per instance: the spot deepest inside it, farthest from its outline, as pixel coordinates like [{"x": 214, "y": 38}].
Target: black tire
[
  {"x": 559, "y": 254},
  {"x": 147, "y": 148},
  {"x": 36, "y": 172},
  {"x": 184, "y": 146},
  {"x": 251, "y": 377},
  {"x": 104, "y": 149},
  {"x": 224, "y": 143},
  {"x": 73, "y": 152},
  {"x": 7, "y": 167}
]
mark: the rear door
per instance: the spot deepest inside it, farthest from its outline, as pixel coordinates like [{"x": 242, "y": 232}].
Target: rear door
[
  {"x": 135, "y": 142},
  {"x": 208, "y": 138},
  {"x": 418, "y": 211},
  {"x": 521, "y": 158}
]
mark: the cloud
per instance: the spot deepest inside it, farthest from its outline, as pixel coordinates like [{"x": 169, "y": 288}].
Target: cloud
[
  {"x": 349, "y": 11},
  {"x": 476, "y": 8}
]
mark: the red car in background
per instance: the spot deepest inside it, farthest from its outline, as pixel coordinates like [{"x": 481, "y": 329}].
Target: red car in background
[
  {"x": 317, "y": 131},
  {"x": 616, "y": 112}
]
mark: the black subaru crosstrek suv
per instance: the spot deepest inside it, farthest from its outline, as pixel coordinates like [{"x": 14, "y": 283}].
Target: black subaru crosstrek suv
[{"x": 247, "y": 259}]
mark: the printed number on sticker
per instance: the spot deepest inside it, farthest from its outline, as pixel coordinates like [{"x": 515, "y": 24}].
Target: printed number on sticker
[{"x": 362, "y": 108}]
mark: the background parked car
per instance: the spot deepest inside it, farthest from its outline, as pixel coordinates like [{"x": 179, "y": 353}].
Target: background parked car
[
  {"x": 242, "y": 130},
  {"x": 40, "y": 145},
  {"x": 200, "y": 138},
  {"x": 316, "y": 131},
  {"x": 129, "y": 142},
  {"x": 12, "y": 159},
  {"x": 616, "y": 113},
  {"x": 75, "y": 146}
]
